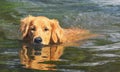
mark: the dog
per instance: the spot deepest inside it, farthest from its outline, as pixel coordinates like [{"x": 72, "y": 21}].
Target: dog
[{"x": 45, "y": 31}]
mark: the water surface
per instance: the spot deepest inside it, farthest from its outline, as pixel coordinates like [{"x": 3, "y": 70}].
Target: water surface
[{"x": 99, "y": 54}]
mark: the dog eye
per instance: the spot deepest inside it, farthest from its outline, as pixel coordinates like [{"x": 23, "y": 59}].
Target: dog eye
[
  {"x": 46, "y": 29},
  {"x": 33, "y": 28}
]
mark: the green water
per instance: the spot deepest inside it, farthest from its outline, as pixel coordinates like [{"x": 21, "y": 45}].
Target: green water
[{"x": 100, "y": 54}]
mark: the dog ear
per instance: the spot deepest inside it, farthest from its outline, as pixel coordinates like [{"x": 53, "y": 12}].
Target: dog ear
[
  {"x": 24, "y": 26},
  {"x": 57, "y": 32}
]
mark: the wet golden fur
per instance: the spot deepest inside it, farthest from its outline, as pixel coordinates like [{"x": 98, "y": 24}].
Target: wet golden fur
[{"x": 50, "y": 31}]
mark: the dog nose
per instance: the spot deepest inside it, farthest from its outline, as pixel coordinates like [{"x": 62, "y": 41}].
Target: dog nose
[{"x": 38, "y": 40}]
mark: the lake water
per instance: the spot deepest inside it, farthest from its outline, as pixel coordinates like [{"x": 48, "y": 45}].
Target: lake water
[{"x": 99, "y": 54}]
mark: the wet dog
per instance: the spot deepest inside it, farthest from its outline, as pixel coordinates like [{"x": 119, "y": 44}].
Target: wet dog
[{"x": 42, "y": 30}]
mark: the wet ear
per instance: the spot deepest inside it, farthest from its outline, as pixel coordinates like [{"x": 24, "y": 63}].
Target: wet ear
[
  {"x": 57, "y": 32},
  {"x": 24, "y": 26}
]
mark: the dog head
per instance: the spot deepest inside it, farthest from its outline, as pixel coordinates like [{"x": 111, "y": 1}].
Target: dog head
[{"x": 41, "y": 30}]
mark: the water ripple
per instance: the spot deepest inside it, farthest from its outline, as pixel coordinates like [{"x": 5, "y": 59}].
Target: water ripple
[
  {"x": 115, "y": 46},
  {"x": 107, "y": 2},
  {"x": 93, "y": 63},
  {"x": 107, "y": 55}
]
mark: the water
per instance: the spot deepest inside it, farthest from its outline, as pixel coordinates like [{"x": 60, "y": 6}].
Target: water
[{"x": 99, "y": 54}]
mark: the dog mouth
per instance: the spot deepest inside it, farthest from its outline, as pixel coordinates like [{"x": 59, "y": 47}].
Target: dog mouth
[{"x": 40, "y": 45}]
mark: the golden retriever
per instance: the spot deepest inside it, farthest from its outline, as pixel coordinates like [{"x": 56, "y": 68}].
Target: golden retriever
[{"x": 42, "y": 30}]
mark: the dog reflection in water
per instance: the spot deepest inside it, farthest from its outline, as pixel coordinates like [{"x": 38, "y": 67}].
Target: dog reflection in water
[
  {"x": 45, "y": 31},
  {"x": 37, "y": 57}
]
